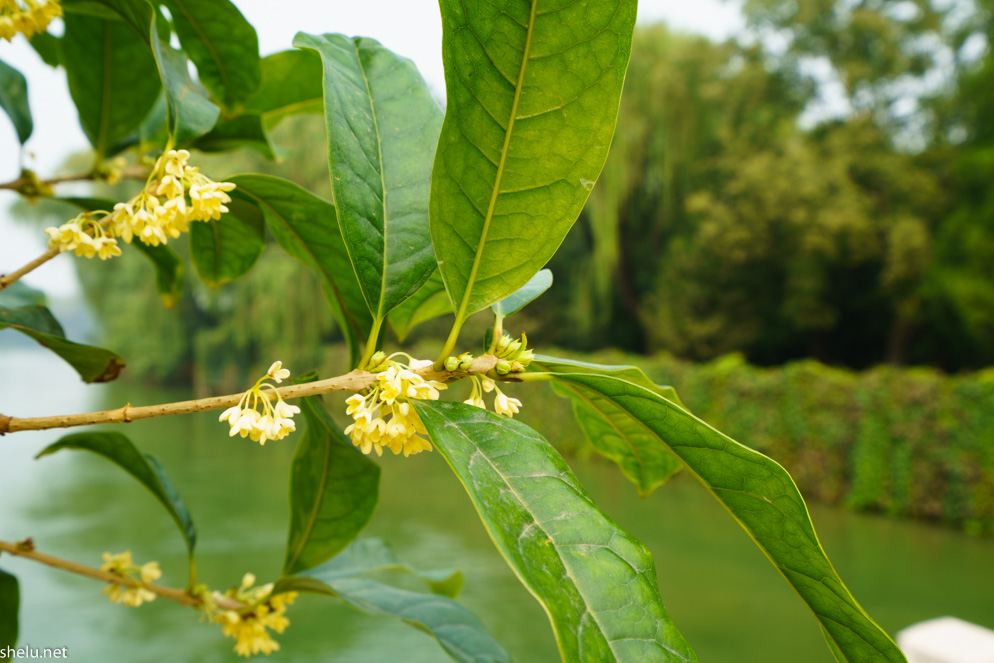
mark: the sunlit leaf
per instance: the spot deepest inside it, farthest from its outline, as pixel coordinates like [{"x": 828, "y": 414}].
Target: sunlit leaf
[
  {"x": 596, "y": 582},
  {"x": 10, "y": 603},
  {"x": 382, "y": 127},
  {"x": 144, "y": 467},
  {"x": 525, "y": 295},
  {"x": 532, "y": 94},
  {"x": 333, "y": 492},
  {"x": 14, "y": 100},
  {"x": 757, "y": 492},
  {"x": 430, "y": 301}
]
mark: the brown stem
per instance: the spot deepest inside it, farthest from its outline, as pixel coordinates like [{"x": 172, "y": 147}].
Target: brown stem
[
  {"x": 27, "y": 550},
  {"x": 136, "y": 173},
  {"x": 7, "y": 279},
  {"x": 355, "y": 381}
]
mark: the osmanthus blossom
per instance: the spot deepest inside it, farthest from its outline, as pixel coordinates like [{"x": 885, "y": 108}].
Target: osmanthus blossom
[
  {"x": 29, "y": 17},
  {"x": 268, "y": 422},
  {"x": 122, "y": 565},
  {"x": 249, "y": 625}
]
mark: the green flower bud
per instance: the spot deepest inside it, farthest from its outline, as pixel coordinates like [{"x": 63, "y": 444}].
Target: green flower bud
[
  {"x": 503, "y": 367},
  {"x": 465, "y": 360},
  {"x": 378, "y": 362},
  {"x": 451, "y": 363}
]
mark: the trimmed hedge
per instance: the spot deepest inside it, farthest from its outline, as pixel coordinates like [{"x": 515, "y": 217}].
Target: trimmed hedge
[{"x": 908, "y": 442}]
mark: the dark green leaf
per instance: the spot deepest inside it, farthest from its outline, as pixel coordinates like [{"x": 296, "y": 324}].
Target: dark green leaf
[
  {"x": 226, "y": 249},
  {"x": 222, "y": 44},
  {"x": 112, "y": 77},
  {"x": 190, "y": 113},
  {"x": 246, "y": 130},
  {"x": 383, "y": 127},
  {"x": 136, "y": 13},
  {"x": 10, "y": 603},
  {"x": 429, "y": 302},
  {"x": 93, "y": 364},
  {"x": 596, "y": 582},
  {"x": 525, "y": 295},
  {"x": 758, "y": 493},
  {"x": 356, "y": 576},
  {"x": 532, "y": 99},
  {"x": 333, "y": 492},
  {"x": 47, "y": 47},
  {"x": 144, "y": 467},
  {"x": 306, "y": 227},
  {"x": 291, "y": 83},
  {"x": 19, "y": 295},
  {"x": 14, "y": 100}
]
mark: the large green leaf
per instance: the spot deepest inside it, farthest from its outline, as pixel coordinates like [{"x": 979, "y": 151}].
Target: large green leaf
[
  {"x": 333, "y": 492},
  {"x": 226, "y": 249},
  {"x": 22, "y": 308},
  {"x": 136, "y": 13},
  {"x": 383, "y": 127},
  {"x": 357, "y": 577},
  {"x": 596, "y": 582},
  {"x": 222, "y": 44},
  {"x": 525, "y": 295},
  {"x": 291, "y": 83},
  {"x": 112, "y": 77},
  {"x": 430, "y": 301},
  {"x": 190, "y": 113},
  {"x": 146, "y": 468},
  {"x": 246, "y": 130},
  {"x": 14, "y": 100},
  {"x": 532, "y": 91},
  {"x": 758, "y": 493},
  {"x": 306, "y": 227},
  {"x": 10, "y": 603}
]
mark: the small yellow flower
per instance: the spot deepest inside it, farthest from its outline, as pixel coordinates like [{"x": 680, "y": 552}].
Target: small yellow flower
[
  {"x": 28, "y": 20},
  {"x": 122, "y": 565},
  {"x": 249, "y": 626},
  {"x": 274, "y": 422}
]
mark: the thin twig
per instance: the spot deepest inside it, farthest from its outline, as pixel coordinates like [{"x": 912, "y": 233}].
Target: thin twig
[
  {"x": 355, "y": 381},
  {"x": 7, "y": 279},
  {"x": 134, "y": 173},
  {"x": 27, "y": 550}
]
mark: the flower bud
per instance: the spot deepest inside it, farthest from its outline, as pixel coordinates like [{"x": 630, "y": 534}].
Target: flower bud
[
  {"x": 503, "y": 367},
  {"x": 451, "y": 363}
]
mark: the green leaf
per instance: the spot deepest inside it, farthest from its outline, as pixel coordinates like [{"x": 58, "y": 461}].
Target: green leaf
[
  {"x": 92, "y": 363},
  {"x": 291, "y": 83},
  {"x": 525, "y": 295},
  {"x": 47, "y": 47},
  {"x": 758, "y": 493},
  {"x": 144, "y": 467},
  {"x": 333, "y": 492},
  {"x": 383, "y": 127},
  {"x": 356, "y": 576},
  {"x": 596, "y": 582},
  {"x": 246, "y": 130},
  {"x": 306, "y": 227},
  {"x": 429, "y": 302},
  {"x": 190, "y": 113},
  {"x": 222, "y": 44},
  {"x": 136, "y": 13},
  {"x": 226, "y": 249},
  {"x": 532, "y": 99},
  {"x": 112, "y": 77},
  {"x": 10, "y": 603},
  {"x": 14, "y": 100}
]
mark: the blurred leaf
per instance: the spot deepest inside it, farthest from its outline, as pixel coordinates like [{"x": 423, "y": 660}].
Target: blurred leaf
[
  {"x": 112, "y": 77},
  {"x": 10, "y": 603},
  {"x": 333, "y": 492},
  {"x": 14, "y": 100},
  {"x": 93, "y": 364},
  {"x": 136, "y": 13},
  {"x": 47, "y": 47},
  {"x": 356, "y": 576},
  {"x": 190, "y": 113},
  {"x": 429, "y": 302},
  {"x": 291, "y": 83},
  {"x": 382, "y": 127},
  {"x": 246, "y": 130},
  {"x": 144, "y": 467},
  {"x": 226, "y": 249},
  {"x": 306, "y": 227},
  {"x": 596, "y": 582},
  {"x": 525, "y": 295},
  {"x": 532, "y": 98},
  {"x": 223, "y": 46},
  {"x": 758, "y": 493}
]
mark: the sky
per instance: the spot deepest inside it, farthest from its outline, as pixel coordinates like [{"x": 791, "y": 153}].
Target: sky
[{"x": 411, "y": 28}]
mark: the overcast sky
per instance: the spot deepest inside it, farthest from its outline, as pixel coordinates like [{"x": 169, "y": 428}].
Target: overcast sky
[{"x": 409, "y": 27}]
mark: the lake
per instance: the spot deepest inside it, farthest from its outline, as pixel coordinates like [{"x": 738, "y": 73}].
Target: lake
[{"x": 721, "y": 592}]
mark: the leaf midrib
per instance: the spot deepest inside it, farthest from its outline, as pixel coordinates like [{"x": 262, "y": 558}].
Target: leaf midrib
[
  {"x": 207, "y": 44},
  {"x": 461, "y": 313}
]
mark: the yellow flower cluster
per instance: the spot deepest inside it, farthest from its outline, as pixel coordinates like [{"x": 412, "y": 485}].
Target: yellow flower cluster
[
  {"x": 382, "y": 417},
  {"x": 250, "y": 626},
  {"x": 274, "y": 422},
  {"x": 503, "y": 404},
  {"x": 84, "y": 237},
  {"x": 122, "y": 565},
  {"x": 31, "y": 18}
]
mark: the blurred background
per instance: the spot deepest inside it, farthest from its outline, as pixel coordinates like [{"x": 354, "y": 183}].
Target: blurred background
[{"x": 795, "y": 228}]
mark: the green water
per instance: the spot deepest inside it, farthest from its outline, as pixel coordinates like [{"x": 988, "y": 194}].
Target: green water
[{"x": 722, "y": 593}]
